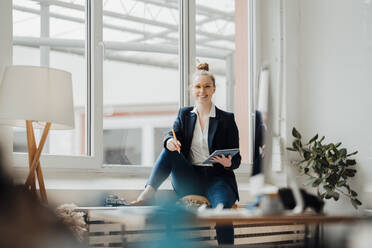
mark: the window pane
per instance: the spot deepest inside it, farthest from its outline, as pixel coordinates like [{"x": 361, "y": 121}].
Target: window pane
[
  {"x": 64, "y": 23},
  {"x": 19, "y": 137},
  {"x": 158, "y": 142},
  {"x": 215, "y": 30},
  {"x": 122, "y": 146},
  {"x": 140, "y": 72}
]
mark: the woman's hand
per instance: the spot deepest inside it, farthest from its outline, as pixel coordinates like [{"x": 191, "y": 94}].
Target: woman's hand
[
  {"x": 225, "y": 161},
  {"x": 173, "y": 145}
]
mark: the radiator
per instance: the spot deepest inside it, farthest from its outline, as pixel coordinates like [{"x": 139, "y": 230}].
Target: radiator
[{"x": 109, "y": 234}]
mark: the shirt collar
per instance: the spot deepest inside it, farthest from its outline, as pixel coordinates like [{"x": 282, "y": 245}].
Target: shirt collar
[{"x": 212, "y": 113}]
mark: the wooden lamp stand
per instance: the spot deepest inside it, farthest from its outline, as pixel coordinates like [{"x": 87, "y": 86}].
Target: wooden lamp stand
[{"x": 34, "y": 153}]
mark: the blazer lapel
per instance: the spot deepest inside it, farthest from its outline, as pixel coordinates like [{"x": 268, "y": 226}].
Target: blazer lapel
[
  {"x": 191, "y": 126},
  {"x": 213, "y": 124}
]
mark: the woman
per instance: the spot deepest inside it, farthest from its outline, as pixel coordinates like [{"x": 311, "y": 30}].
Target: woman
[{"x": 200, "y": 130}]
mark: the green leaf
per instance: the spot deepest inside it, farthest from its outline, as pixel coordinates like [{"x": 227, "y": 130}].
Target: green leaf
[
  {"x": 353, "y": 193},
  {"x": 350, "y": 172},
  {"x": 338, "y": 144},
  {"x": 311, "y": 163},
  {"x": 332, "y": 146},
  {"x": 341, "y": 163},
  {"x": 337, "y": 162},
  {"x": 297, "y": 144},
  {"x": 335, "y": 195},
  {"x": 328, "y": 195},
  {"x": 351, "y": 154},
  {"x": 341, "y": 183},
  {"x": 307, "y": 155},
  {"x": 355, "y": 203},
  {"x": 343, "y": 152},
  {"x": 332, "y": 179},
  {"x": 313, "y": 139},
  {"x": 320, "y": 141},
  {"x": 324, "y": 162},
  {"x": 317, "y": 182},
  {"x": 295, "y": 133},
  {"x": 291, "y": 149},
  {"x": 327, "y": 187},
  {"x": 350, "y": 162}
]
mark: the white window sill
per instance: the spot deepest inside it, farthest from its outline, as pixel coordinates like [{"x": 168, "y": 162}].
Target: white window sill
[{"x": 89, "y": 188}]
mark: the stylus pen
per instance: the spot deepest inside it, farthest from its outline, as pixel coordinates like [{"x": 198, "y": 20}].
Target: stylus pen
[{"x": 175, "y": 138}]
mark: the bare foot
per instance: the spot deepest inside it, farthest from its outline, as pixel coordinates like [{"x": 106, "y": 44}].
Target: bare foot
[
  {"x": 146, "y": 198},
  {"x": 140, "y": 203}
]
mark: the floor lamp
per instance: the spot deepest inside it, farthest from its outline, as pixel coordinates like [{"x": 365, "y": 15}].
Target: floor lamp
[{"x": 36, "y": 97}]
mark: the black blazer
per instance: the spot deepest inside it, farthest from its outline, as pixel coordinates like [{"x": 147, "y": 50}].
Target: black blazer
[{"x": 222, "y": 134}]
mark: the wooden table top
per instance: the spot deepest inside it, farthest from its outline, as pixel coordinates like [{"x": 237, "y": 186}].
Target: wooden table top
[
  {"x": 285, "y": 218},
  {"x": 121, "y": 214}
]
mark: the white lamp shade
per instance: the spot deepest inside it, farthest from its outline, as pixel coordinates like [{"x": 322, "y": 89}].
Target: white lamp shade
[{"x": 38, "y": 94}]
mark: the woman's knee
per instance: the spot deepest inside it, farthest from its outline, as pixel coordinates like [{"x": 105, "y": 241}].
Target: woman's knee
[
  {"x": 221, "y": 194},
  {"x": 227, "y": 200}
]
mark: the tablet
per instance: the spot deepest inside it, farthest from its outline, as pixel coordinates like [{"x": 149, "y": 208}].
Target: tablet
[{"x": 225, "y": 152}]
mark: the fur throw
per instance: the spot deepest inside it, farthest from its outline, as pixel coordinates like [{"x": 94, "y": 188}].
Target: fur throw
[{"x": 73, "y": 219}]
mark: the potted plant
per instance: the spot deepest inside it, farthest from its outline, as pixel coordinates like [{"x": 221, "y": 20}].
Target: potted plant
[{"x": 328, "y": 167}]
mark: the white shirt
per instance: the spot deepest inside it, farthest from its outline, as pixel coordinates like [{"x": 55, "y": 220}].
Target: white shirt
[{"x": 199, "y": 150}]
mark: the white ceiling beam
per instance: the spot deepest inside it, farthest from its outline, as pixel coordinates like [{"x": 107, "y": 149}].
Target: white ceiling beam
[
  {"x": 200, "y": 9},
  {"x": 114, "y": 45},
  {"x": 135, "y": 19},
  {"x": 82, "y": 21},
  {"x": 136, "y": 60},
  {"x": 146, "y": 35}
]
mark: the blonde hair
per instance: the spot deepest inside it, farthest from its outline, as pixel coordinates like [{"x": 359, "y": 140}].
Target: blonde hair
[{"x": 203, "y": 70}]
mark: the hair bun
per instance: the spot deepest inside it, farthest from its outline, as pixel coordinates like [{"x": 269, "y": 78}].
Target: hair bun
[{"x": 203, "y": 66}]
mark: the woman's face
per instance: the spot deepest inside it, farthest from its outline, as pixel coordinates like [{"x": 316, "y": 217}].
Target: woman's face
[{"x": 203, "y": 89}]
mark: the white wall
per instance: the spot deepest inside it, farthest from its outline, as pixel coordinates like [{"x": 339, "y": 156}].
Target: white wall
[
  {"x": 330, "y": 87},
  {"x": 5, "y": 60}
]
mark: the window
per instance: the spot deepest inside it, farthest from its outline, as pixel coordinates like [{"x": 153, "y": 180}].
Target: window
[
  {"x": 53, "y": 36},
  {"x": 128, "y": 83}
]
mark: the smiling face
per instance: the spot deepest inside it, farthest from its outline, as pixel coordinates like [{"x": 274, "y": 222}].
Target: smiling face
[{"x": 203, "y": 89}]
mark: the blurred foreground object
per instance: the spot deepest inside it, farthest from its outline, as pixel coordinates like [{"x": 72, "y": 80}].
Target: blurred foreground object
[
  {"x": 171, "y": 216},
  {"x": 26, "y": 223}
]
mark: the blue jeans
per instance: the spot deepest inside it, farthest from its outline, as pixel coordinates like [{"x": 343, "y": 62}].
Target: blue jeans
[{"x": 188, "y": 179}]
